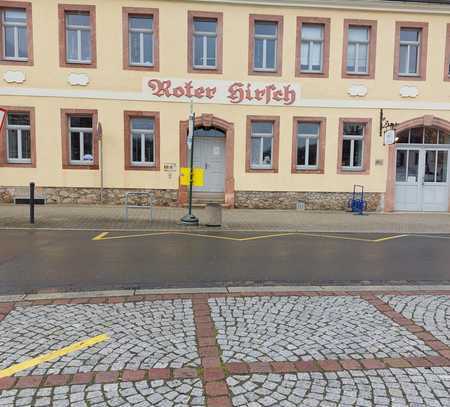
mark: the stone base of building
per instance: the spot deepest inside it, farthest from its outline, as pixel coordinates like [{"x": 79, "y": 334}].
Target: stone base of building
[
  {"x": 169, "y": 197},
  {"x": 111, "y": 196},
  {"x": 310, "y": 200}
]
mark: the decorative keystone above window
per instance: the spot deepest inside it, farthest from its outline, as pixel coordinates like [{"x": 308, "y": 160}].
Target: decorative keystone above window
[
  {"x": 78, "y": 79},
  {"x": 14, "y": 77},
  {"x": 409, "y": 92},
  {"x": 357, "y": 90}
]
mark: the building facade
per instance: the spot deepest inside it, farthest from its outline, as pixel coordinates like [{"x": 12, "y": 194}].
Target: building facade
[{"x": 289, "y": 97}]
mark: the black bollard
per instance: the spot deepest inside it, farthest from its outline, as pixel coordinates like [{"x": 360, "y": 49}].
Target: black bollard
[{"x": 32, "y": 202}]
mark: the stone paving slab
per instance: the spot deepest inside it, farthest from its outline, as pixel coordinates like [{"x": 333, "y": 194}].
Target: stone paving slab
[
  {"x": 387, "y": 387},
  {"x": 143, "y": 335},
  {"x": 106, "y": 217},
  {"x": 263, "y": 329},
  {"x": 156, "y": 393},
  {"x": 430, "y": 312}
]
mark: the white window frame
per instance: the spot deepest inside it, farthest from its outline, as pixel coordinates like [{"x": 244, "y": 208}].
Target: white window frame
[
  {"x": 310, "y": 44},
  {"x": 16, "y": 26},
  {"x": 205, "y": 35},
  {"x": 141, "y": 32},
  {"x": 260, "y": 137},
  {"x": 357, "y": 45},
  {"x": 78, "y": 29},
  {"x": 265, "y": 38},
  {"x": 307, "y": 137},
  {"x": 142, "y": 133},
  {"x": 19, "y": 128},
  {"x": 83, "y": 131},
  {"x": 410, "y": 44},
  {"x": 352, "y": 139}
]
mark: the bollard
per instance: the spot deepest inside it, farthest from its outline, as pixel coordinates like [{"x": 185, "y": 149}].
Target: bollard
[{"x": 32, "y": 202}]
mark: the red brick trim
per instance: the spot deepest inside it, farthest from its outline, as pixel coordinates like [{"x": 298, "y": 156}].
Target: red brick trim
[
  {"x": 276, "y": 143},
  {"x": 322, "y": 140},
  {"x": 367, "y": 122},
  {"x": 3, "y": 153},
  {"x": 251, "y": 44},
  {"x": 62, "y": 9},
  {"x": 219, "y": 51},
  {"x": 65, "y": 114},
  {"x": 140, "y": 11},
  {"x": 5, "y": 309},
  {"x": 372, "y": 26},
  {"x": 423, "y": 52},
  {"x": 447, "y": 55},
  {"x": 326, "y": 47},
  {"x": 128, "y": 115},
  {"x": 28, "y": 9}
]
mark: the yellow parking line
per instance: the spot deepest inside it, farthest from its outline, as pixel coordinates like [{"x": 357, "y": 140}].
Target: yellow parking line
[
  {"x": 384, "y": 239},
  {"x": 52, "y": 355},
  {"x": 103, "y": 236}
]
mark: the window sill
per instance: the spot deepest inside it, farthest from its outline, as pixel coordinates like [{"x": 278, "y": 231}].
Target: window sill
[
  {"x": 351, "y": 171},
  {"x": 18, "y": 164},
  {"x": 263, "y": 72},
  {"x": 70, "y": 166},
  {"x": 300, "y": 74},
  {"x": 399, "y": 77},
  {"x": 261, "y": 169},
  {"x": 91, "y": 65},
  {"x": 135, "y": 167},
  {"x": 196, "y": 69},
  {"x": 16, "y": 62},
  {"x": 148, "y": 68},
  {"x": 298, "y": 170}
]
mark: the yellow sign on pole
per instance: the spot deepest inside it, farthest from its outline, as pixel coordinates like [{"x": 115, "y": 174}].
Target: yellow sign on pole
[{"x": 198, "y": 178}]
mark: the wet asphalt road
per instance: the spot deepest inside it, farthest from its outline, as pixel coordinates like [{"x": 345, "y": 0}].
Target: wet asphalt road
[{"x": 33, "y": 260}]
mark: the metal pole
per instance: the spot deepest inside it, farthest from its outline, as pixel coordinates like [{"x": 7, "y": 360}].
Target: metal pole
[
  {"x": 190, "y": 218},
  {"x": 32, "y": 202},
  {"x": 101, "y": 171}
]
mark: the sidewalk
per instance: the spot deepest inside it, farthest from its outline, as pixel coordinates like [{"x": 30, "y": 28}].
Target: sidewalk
[{"x": 112, "y": 218}]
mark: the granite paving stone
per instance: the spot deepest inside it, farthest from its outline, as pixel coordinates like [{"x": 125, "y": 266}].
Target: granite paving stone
[
  {"x": 187, "y": 392},
  {"x": 387, "y": 387},
  {"x": 263, "y": 329},
  {"x": 432, "y": 312},
  {"x": 143, "y": 335}
]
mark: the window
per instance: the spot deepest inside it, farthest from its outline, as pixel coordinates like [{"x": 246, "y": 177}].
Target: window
[
  {"x": 140, "y": 38},
  {"x": 262, "y": 144},
  {"x": 142, "y": 141},
  {"x": 204, "y": 43},
  {"x": 77, "y": 35},
  {"x": 312, "y": 48},
  {"x": 78, "y": 38},
  {"x": 81, "y": 141},
  {"x": 308, "y": 145},
  {"x": 358, "y": 50},
  {"x": 15, "y": 46},
  {"x": 18, "y": 138},
  {"x": 423, "y": 135},
  {"x": 411, "y": 51},
  {"x": 265, "y": 50},
  {"x": 352, "y": 146},
  {"x": 15, "y": 33},
  {"x": 140, "y": 34}
]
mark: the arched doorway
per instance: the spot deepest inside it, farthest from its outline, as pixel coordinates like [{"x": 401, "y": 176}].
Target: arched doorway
[
  {"x": 213, "y": 151},
  {"x": 419, "y": 166}
]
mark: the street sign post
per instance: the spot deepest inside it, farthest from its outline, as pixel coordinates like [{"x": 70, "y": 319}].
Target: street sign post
[
  {"x": 190, "y": 218},
  {"x": 100, "y": 139}
]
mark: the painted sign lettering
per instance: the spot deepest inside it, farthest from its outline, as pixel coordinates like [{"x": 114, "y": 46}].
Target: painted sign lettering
[{"x": 223, "y": 92}]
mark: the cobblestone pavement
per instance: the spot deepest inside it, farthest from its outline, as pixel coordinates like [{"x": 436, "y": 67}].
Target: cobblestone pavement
[
  {"x": 430, "y": 312},
  {"x": 387, "y": 387},
  {"x": 112, "y": 217},
  {"x": 293, "y": 328},
  {"x": 156, "y": 393},
  {"x": 142, "y": 335},
  {"x": 253, "y": 349}
]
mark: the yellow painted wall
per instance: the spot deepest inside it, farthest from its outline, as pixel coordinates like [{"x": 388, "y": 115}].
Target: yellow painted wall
[{"x": 109, "y": 76}]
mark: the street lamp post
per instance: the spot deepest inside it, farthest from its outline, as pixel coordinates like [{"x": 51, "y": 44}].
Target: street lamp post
[{"x": 190, "y": 218}]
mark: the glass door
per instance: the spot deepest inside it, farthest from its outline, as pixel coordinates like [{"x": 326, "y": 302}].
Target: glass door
[
  {"x": 435, "y": 180},
  {"x": 408, "y": 185}
]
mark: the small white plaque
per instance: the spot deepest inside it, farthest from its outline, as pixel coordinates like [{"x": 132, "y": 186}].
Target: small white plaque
[
  {"x": 389, "y": 137},
  {"x": 216, "y": 150}
]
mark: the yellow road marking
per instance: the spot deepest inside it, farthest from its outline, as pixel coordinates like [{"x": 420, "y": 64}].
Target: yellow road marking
[
  {"x": 104, "y": 236},
  {"x": 52, "y": 355}
]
